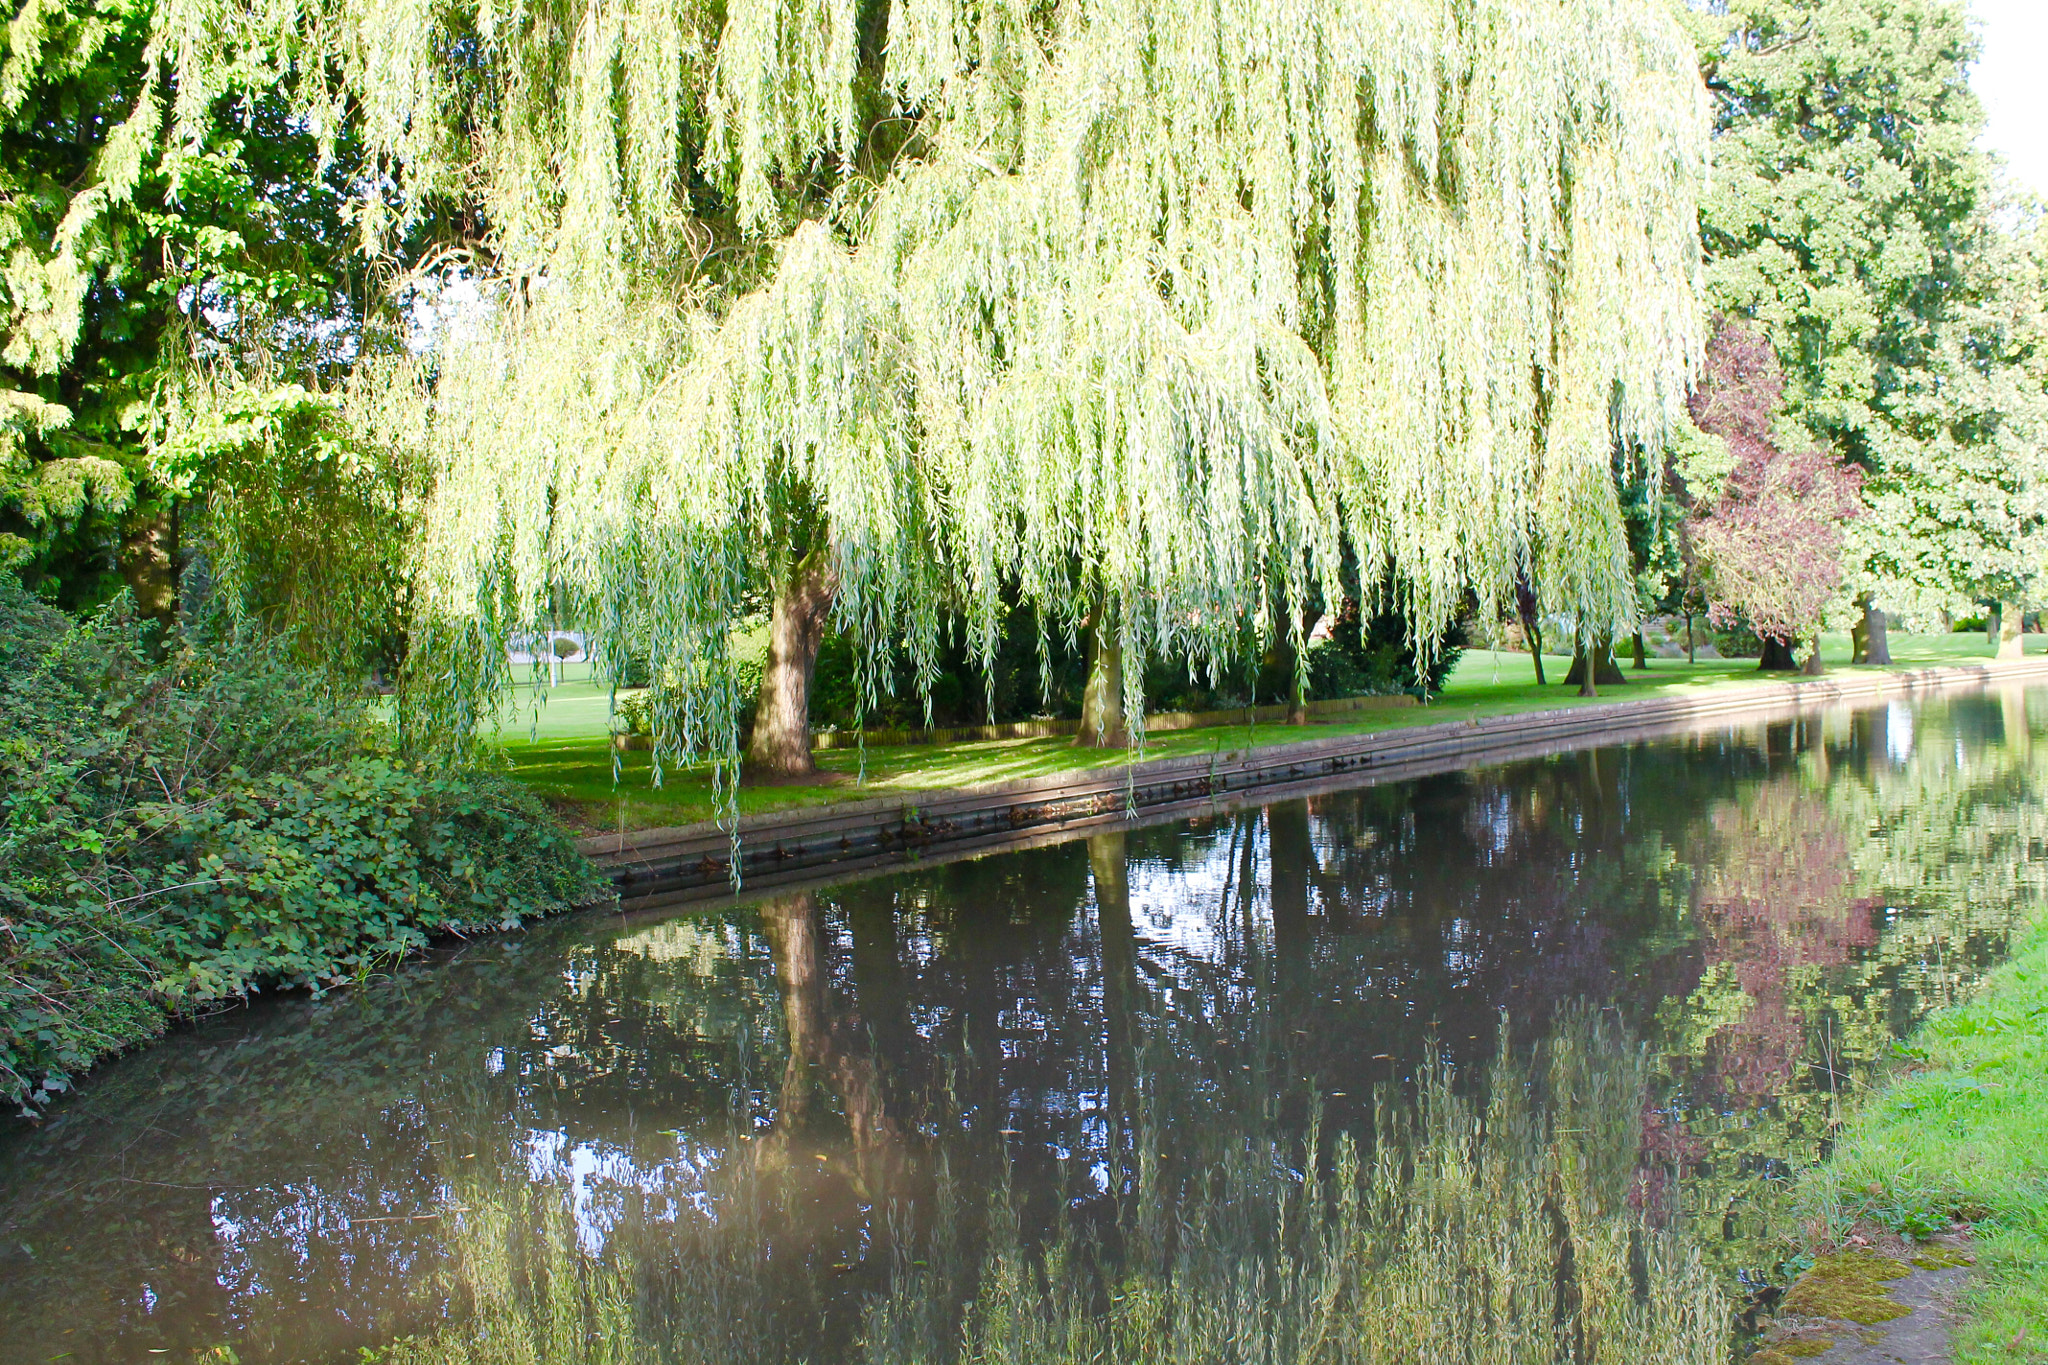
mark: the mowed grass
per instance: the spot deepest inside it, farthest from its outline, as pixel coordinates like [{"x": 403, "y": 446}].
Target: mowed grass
[
  {"x": 1965, "y": 1132},
  {"x": 557, "y": 740}
]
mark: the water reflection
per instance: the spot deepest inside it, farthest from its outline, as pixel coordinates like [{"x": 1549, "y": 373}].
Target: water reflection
[{"x": 797, "y": 1088}]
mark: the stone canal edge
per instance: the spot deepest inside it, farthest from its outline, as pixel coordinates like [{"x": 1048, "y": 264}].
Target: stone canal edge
[{"x": 820, "y": 843}]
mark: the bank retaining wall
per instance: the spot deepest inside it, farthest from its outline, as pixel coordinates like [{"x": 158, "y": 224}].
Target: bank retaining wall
[{"x": 781, "y": 848}]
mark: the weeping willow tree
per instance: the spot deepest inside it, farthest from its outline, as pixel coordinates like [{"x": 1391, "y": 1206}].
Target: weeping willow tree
[{"x": 880, "y": 314}]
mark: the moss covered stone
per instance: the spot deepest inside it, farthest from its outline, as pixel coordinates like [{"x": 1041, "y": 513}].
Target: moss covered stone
[{"x": 1849, "y": 1286}]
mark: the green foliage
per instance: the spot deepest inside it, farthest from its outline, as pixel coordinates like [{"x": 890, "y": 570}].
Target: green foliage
[
  {"x": 1844, "y": 167},
  {"x": 305, "y": 509},
  {"x": 188, "y": 829},
  {"x": 1066, "y": 304},
  {"x": 141, "y": 267},
  {"x": 1963, "y": 1134},
  {"x": 1853, "y": 218},
  {"x": 1960, "y": 501}
]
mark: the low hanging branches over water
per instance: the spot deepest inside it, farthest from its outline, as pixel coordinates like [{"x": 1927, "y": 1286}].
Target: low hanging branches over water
[{"x": 1136, "y": 311}]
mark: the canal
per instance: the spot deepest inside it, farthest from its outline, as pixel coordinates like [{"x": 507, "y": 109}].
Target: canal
[{"x": 1525, "y": 1058}]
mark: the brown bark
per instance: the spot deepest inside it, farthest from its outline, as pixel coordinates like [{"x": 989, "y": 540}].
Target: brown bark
[
  {"x": 1587, "y": 678},
  {"x": 1528, "y": 608},
  {"x": 1690, "y": 659},
  {"x": 148, "y": 559},
  {"x": 781, "y": 742},
  {"x": 1868, "y": 638},
  {"x": 1297, "y": 687},
  {"x": 2011, "y": 617},
  {"x": 1813, "y": 667},
  {"x": 1642, "y": 659},
  {"x": 1102, "y": 700}
]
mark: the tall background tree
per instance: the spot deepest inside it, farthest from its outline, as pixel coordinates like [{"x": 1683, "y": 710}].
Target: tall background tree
[
  {"x": 1960, "y": 503},
  {"x": 1850, "y": 220},
  {"x": 182, "y": 306}
]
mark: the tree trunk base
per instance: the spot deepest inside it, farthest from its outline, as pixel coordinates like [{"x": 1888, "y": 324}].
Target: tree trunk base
[
  {"x": 1777, "y": 658},
  {"x": 148, "y": 560},
  {"x": 1607, "y": 674},
  {"x": 1869, "y": 638},
  {"x": 781, "y": 743},
  {"x": 1102, "y": 700}
]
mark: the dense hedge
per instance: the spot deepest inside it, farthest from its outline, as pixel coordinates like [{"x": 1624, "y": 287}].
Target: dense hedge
[{"x": 185, "y": 821}]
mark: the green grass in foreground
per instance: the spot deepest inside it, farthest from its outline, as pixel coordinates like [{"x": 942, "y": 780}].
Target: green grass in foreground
[
  {"x": 1966, "y": 1132},
  {"x": 561, "y": 748}
]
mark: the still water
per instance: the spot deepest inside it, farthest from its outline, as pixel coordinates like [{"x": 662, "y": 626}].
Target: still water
[{"x": 1522, "y": 1058}]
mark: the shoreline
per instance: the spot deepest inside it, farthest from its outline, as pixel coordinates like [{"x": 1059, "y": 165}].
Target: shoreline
[
  {"x": 806, "y": 845},
  {"x": 1939, "y": 1174}
]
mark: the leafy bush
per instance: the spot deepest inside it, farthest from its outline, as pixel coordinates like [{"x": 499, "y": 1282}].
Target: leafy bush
[{"x": 187, "y": 821}]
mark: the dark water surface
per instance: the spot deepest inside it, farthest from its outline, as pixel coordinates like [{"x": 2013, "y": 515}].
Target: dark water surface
[{"x": 749, "y": 1107}]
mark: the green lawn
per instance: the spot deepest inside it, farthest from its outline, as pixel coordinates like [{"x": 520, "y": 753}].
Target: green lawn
[
  {"x": 1965, "y": 1133},
  {"x": 559, "y": 746}
]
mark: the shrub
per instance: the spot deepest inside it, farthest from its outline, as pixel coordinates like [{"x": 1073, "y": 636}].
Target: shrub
[{"x": 187, "y": 821}]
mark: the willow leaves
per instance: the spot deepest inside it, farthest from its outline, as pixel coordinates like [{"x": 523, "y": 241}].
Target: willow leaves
[{"x": 1136, "y": 310}]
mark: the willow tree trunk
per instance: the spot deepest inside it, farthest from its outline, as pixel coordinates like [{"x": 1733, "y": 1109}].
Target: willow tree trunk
[
  {"x": 1529, "y": 609},
  {"x": 1587, "y": 675},
  {"x": 148, "y": 559},
  {"x": 1642, "y": 660},
  {"x": 2011, "y": 619},
  {"x": 781, "y": 744},
  {"x": 1777, "y": 657},
  {"x": 1868, "y": 636},
  {"x": 1690, "y": 657},
  {"x": 1102, "y": 700},
  {"x": 1294, "y": 682},
  {"x": 1814, "y": 667}
]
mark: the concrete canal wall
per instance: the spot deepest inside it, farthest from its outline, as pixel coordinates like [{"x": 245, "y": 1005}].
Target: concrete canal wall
[{"x": 784, "y": 848}]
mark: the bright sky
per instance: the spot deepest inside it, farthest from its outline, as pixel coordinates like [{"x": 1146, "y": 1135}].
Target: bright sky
[{"x": 2012, "y": 80}]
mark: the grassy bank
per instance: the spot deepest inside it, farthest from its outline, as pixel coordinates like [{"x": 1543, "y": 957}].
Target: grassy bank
[
  {"x": 1962, "y": 1133},
  {"x": 558, "y": 743}
]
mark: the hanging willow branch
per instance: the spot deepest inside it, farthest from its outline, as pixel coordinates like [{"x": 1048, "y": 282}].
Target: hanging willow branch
[{"x": 1136, "y": 307}]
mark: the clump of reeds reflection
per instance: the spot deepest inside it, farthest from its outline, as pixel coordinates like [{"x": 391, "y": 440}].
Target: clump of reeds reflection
[{"x": 1475, "y": 1230}]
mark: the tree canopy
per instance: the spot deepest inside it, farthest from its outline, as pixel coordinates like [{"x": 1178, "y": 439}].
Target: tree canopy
[
  {"x": 1855, "y": 220},
  {"x": 1140, "y": 308},
  {"x": 145, "y": 263}
]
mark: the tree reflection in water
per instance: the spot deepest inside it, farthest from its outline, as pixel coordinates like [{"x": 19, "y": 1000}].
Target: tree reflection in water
[{"x": 1102, "y": 1066}]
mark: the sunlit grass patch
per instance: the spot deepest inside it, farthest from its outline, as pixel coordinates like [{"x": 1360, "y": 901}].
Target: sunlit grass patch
[
  {"x": 1964, "y": 1134},
  {"x": 560, "y": 746}
]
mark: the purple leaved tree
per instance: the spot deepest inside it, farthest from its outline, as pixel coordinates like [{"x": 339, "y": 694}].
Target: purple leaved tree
[{"x": 1772, "y": 541}]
